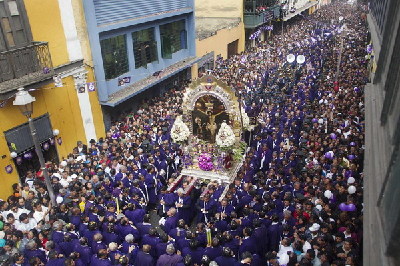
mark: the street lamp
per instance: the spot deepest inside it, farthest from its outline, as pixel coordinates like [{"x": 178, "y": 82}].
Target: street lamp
[
  {"x": 342, "y": 31},
  {"x": 300, "y": 59},
  {"x": 295, "y": 60},
  {"x": 290, "y": 58},
  {"x": 24, "y": 101}
]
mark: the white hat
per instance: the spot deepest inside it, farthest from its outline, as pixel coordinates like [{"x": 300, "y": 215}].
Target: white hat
[
  {"x": 328, "y": 194},
  {"x": 73, "y": 176},
  {"x": 315, "y": 227},
  {"x": 59, "y": 200},
  {"x": 351, "y": 180},
  {"x": 57, "y": 175},
  {"x": 352, "y": 189},
  {"x": 180, "y": 190},
  {"x": 79, "y": 159},
  {"x": 63, "y": 163}
]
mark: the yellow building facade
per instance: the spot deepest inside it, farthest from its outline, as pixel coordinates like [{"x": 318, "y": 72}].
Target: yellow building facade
[
  {"x": 219, "y": 31},
  {"x": 57, "y": 27}
]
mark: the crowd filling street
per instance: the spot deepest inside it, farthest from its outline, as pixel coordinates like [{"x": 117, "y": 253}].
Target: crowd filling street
[{"x": 297, "y": 199}]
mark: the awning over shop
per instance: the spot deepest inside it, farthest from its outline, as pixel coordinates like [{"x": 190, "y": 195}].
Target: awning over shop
[
  {"x": 19, "y": 139},
  {"x": 146, "y": 83},
  {"x": 299, "y": 10},
  {"x": 206, "y": 59}
]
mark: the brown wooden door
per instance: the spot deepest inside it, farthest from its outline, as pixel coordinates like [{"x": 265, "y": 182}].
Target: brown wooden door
[{"x": 233, "y": 48}]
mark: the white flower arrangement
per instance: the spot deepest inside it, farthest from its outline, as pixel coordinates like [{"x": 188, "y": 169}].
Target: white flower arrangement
[
  {"x": 179, "y": 131},
  {"x": 225, "y": 137},
  {"x": 246, "y": 121}
]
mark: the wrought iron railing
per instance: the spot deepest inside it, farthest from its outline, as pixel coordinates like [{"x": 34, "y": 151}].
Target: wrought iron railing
[
  {"x": 25, "y": 65},
  {"x": 255, "y": 19}
]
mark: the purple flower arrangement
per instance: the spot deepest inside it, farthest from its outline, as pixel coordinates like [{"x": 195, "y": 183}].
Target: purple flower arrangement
[{"x": 205, "y": 162}]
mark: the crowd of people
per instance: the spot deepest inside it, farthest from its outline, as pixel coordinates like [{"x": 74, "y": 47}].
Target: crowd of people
[{"x": 297, "y": 200}]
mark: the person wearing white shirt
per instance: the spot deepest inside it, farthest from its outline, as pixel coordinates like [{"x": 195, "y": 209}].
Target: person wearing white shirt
[
  {"x": 65, "y": 179},
  {"x": 15, "y": 211},
  {"x": 285, "y": 247},
  {"x": 306, "y": 246},
  {"x": 41, "y": 212},
  {"x": 25, "y": 223}
]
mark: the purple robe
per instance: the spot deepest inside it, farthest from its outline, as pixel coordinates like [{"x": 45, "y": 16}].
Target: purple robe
[{"x": 169, "y": 260}]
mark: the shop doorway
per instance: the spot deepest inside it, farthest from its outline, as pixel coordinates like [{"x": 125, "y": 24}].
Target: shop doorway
[
  {"x": 233, "y": 48},
  {"x": 19, "y": 140}
]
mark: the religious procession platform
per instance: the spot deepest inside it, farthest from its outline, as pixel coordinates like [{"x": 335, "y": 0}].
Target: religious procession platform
[
  {"x": 209, "y": 132},
  {"x": 209, "y": 162}
]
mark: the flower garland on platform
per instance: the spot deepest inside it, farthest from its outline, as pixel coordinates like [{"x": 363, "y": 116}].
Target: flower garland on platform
[
  {"x": 225, "y": 137},
  {"x": 179, "y": 131},
  {"x": 205, "y": 162},
  {"x": 246, "y": 121}
]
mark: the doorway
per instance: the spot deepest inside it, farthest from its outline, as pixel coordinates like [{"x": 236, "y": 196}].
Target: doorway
[
  {"x": 233, "y": 48},
  {"x": 23, "y": 165}
]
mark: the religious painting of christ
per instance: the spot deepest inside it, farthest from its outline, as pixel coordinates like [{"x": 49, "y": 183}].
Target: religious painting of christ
[{"x": 208, "y": 114}]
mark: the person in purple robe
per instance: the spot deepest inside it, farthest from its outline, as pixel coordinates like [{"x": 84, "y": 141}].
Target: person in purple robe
[
  {"x": 144, "y": 226},
  {"x": 55, "y": 259},
  {"x": 125, "y": 228},
  {"x": 170, "y": 258},
  {"x": 231, "y": 242},
  {"x": 152, "y": 240},
  {"x": 171, "y": 221},
  {"x": 143, "y": 257},
  {"x": 194, "y": 250},
  {"x": 101, "y": 258},
  {"x": 58, "y": 234},
  {"x": 76, "y": 217},
  {"x": 31, "y": 251},
  {"x": 260, "y": 235},
  {"x": 113, "y": 253},
  {"x": 134, "y": 214},
  {"x": 274, "y": 233},
  {"x": 206, "y": 208},
  {"x": 184, "y": 242},
  {"x": 265, "y": 157},
  {"x": 220, "y": 224},
  {"x": 109, "y": 235},
  {"x": 151, "y": 183},
  {"x": 129, "y": 247},
  {"x": 97, "y": 243},
  {"x": 166, "y": 201},
  {"x": 214, "y": 250},
  {"x": 162, "y": 245},
  {"x": 179, "y": 231},
  {"x": 183, "y": 204},
  {"x": 227, "y": 258},
  {"x": 90, "y": 232},
  {"x": 248, "y": 242},
  {"x": 224, "y": 209},
  {"x": 85, "y": 252},
  {"x": 67, "y": 246}
]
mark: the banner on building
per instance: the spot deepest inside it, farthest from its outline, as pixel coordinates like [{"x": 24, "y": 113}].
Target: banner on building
[
  {"x": 123, "y": 81},
  {"x": 58, "y": 81},
  {"x": 90, "y": 87},
  {"x": 82, "y": 88}
]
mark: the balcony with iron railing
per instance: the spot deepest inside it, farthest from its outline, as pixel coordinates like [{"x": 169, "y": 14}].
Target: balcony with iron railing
[
  {"x": 24, "y": 66},
  {"x": 254, "y": 17}
]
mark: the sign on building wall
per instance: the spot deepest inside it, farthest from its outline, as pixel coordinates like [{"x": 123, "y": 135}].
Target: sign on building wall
[{"x": 20, "y": 139}]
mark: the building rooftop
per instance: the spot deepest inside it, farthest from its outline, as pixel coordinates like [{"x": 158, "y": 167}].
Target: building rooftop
[{"x": 207, "y": 26}]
